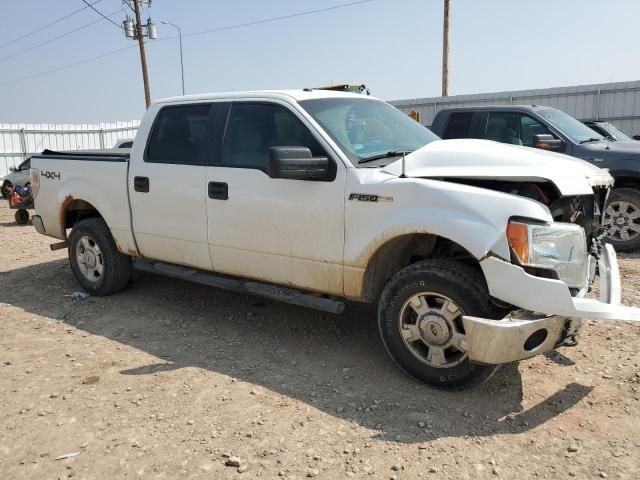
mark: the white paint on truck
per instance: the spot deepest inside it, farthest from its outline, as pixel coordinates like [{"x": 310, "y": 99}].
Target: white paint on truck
[{"x": 346, "y": 234}]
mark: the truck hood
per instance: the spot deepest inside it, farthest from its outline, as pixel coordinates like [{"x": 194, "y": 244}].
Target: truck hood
[
  {"x": 485, "y": 159},
  {"x": 610, "y": 150}
]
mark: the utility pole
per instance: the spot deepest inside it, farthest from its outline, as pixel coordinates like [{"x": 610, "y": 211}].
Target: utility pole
[
  {"x": 136, "y": 31},
  {"x": 143, "y": 55},
  {"x": 445, "y": 49}
]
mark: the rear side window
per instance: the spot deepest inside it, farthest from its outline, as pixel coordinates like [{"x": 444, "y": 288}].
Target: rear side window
[
  {"x": 178, "y": 135},
  {"x": 458, "y": 126},
  {"x": 253, "y": 128}
]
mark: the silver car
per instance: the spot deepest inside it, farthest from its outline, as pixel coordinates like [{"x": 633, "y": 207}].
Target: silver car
[{"x": 17, "y": 176}]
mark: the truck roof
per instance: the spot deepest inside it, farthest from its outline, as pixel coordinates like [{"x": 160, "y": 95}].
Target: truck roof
[
  {"x": 297, "y": 95},
  {"x": 496, "y": 108}
]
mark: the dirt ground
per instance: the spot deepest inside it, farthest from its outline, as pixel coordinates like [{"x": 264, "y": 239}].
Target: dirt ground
[{"x": 174, "y": 380}]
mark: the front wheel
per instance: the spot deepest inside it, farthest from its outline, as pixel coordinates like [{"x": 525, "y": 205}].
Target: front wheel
[
  {"x": 96, "y": 262},
  {"x": 622, "y": 219},
  {"x": 420, "y": 319}
]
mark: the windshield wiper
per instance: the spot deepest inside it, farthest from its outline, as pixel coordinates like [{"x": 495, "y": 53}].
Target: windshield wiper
[
  {"x": 588, "y": 140},
  {"x": 391, "y": 153}
]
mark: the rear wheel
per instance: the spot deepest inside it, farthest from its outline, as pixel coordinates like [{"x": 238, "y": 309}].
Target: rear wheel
[
  {"x": 622, "y": 219},
  {"x": 22, "y": 216},
  {"x": 420, "y": 319},
  {"x": 96, "y": 262}
]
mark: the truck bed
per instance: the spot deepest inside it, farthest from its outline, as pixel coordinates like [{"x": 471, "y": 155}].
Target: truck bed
[{"x": 73, "y": 181}]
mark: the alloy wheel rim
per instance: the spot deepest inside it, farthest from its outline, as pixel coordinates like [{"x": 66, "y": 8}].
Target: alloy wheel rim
[
  {"x": 431, "y": 328},
  {"x": 622, "y": 221},
  {"x": 90, "y": 259}
]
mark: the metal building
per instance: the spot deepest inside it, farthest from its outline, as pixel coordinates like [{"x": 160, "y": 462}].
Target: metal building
[
  {"x": 617, "y": 102},
  {"x": 19, "y": 141}
]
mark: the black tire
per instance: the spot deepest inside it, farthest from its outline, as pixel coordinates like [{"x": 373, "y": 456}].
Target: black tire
[
  {"x": 462, "y": 284},
  {"x": 632, "y": 197},
  {"x": 5, "y": 189},
  {"x": 22, "y": 216},
  {"x": 116, "y": 267}
]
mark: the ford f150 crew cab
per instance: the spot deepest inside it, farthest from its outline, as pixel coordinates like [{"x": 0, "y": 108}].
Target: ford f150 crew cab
[
  {"x": 477, "y": 253},
  {"x": 551, "y": 129}
]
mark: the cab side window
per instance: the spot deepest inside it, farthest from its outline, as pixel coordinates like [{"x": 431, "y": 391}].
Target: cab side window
[
  {"x": 530, "y": 127},
  {"x": 178, "y": 135},
  {"x": 252, "y": 128},
  {"x": 503, "y": 127},
  {"x": 458, "y": 126},
  {"x": 514, "y": 128}
]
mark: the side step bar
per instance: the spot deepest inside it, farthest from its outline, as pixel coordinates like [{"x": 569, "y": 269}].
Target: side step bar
[{"x": 273, "y": 292}]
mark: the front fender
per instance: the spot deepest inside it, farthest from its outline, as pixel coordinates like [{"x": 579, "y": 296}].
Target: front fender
[{"x": 473, "y": 217}]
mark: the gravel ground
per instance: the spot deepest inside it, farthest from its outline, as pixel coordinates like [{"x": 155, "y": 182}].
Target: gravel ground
[{"x": 173, "y": 380}]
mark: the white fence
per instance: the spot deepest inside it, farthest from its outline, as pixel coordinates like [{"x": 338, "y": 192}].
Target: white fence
[{"x": 18, "y": 141}]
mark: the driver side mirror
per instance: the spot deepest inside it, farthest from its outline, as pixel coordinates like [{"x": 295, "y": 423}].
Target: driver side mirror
[
  {"x": 636, "y": 137},
  {"x": 12, "y": 169},
  {"x": 296, "y": 163},
  {"x": 544, "y": 141}
]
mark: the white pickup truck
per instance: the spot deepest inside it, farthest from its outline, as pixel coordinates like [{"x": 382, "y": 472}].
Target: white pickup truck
[{"x": 477, "y": 253}]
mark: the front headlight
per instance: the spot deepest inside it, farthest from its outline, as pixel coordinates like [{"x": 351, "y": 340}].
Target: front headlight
[{"x": 561, "y": 247}]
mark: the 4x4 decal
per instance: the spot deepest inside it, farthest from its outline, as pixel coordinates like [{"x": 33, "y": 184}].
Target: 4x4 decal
[{"x": 50, "y": 175}]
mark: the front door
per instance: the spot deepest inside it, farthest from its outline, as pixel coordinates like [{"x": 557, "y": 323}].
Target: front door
[
  {"x": 167, "y": 187},
  {"x": 289, "y": 232}
]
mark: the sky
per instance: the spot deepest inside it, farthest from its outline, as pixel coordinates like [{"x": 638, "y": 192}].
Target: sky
[{"x": 393, "y": 46}]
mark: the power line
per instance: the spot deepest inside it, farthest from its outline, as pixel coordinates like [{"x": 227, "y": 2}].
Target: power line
[
  {"x": 46, "y": 26},
  {"x": 219, "y": 29},
  {"x": 275, "y": 19},
  {"x": 54, "y": 38},
  {"x": 102, "y": 15},
  {"x": 29, "y": 77}
]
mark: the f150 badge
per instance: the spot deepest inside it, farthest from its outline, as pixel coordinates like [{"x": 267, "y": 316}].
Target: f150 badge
[
  {"x": 47, "y": 174},
  {"x": 366, "y": 197}
]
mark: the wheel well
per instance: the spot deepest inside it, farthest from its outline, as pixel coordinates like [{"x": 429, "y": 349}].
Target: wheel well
[
  {"x": 403, "y": 251},
  {"x": 73, "y": 210}
]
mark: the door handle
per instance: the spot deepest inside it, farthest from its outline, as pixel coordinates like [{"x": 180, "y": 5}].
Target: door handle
[
  {"x": 141, "y": 184},
  {"x": 218, "y": 190}
]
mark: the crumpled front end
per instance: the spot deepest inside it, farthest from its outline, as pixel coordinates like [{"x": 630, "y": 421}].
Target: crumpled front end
[
  {"x": 550, "y": 302},
  {"x": 549, "y": 316}
]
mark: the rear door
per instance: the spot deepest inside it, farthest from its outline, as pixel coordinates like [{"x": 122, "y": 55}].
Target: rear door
[
  {"x": 464, "y": 125},
  {"x": 283, "y": 231},
  {"x": 167, "y": 187}
]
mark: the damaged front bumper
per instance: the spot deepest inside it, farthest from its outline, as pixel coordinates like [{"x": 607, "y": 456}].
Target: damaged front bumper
[{"x": 550, "y": 316}]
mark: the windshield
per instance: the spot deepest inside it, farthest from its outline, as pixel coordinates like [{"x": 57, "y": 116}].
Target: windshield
[
  {"x": 572, "y": 128},
  {"x": 617, "y": 134},
  {"x": 365, "y": 128}
]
